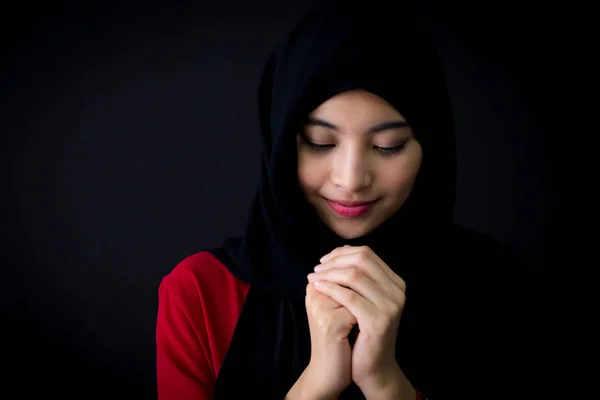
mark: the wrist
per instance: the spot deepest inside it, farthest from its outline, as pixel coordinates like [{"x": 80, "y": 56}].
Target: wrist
[
  {"x": 390, "y": 384},
  {"x": 307, "y": 388}
]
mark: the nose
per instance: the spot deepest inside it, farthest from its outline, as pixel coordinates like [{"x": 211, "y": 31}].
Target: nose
[{"x": 350, "y": 170}]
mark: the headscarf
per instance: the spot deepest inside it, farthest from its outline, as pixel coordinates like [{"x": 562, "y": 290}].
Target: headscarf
[{"x": 377, "y": 46}]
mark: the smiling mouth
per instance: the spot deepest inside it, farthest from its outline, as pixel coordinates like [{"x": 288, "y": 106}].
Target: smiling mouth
[
  {"x": 351, "y": 203},
  {"x": 350, "y": 209}
]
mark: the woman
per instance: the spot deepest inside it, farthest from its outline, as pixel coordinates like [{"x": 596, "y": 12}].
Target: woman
[{"x": 351, "y": 281}]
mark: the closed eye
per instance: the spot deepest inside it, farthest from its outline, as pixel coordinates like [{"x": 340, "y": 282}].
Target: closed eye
[
  {"x": 320, "y": 148},
  {"x": 388, "y": 151}
]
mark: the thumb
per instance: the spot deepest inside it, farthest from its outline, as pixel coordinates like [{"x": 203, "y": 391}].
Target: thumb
[{"x": 345, "y": 321}]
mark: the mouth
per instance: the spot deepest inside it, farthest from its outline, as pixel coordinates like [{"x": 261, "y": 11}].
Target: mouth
[{"x": 350, "y": 209}]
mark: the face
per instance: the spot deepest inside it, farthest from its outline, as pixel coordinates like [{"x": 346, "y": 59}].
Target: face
[{"x": 357, "y": 162}]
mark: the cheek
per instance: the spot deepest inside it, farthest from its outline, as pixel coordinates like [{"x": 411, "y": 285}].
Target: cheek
[
  {"x": 400, "y": 177},
  {"x": 312, "y": 173}
]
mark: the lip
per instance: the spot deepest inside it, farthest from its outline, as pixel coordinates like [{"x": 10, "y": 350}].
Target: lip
[{"x": 350, "y": 209}]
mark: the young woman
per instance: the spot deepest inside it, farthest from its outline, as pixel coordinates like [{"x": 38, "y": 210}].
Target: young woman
[{"x": 351, "y": 280}]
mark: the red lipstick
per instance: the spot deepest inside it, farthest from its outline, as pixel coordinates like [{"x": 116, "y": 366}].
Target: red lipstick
[{"x": 350, "y": 209}]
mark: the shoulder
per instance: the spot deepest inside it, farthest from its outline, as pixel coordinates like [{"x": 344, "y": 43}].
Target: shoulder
[
  {"x": 498, "y": 275},
  {"x": 481, "y": 265},
  {"x": 202, "y": 267},
  {"x": 471, "y": 245},
  {"x": 462, "y": 236},
  {"x": 202, "y": 275},
  {"x": 199, "y": 303},
  {"x": 499, "y": 295}
]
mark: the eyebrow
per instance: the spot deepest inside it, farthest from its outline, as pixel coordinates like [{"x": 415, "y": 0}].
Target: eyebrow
[{"x": 384, "y": 126}]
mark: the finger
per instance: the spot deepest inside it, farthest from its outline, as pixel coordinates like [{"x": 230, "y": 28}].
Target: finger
[
  {"x": 367, "y": 256},
  {"x": 364, "y": 264},
  {"x": 344, "y": 316},
  {"x": 356, "y": 280},
  {"x": 344, "y": 322},
  {"x": 360, "y": 307},
  {"x": 337, "y": 251},
  {"x": 314, "y": 298}
]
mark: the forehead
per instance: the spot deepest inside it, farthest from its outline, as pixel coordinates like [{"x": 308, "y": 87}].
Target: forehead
[{"x": 356, "y": 104}]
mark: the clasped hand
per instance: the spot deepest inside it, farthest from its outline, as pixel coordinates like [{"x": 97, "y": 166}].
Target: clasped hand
[{"x": 359, "y": 280}]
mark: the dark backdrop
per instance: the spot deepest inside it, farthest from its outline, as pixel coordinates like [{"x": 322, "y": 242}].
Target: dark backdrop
[{"x": 130, "y": 141}]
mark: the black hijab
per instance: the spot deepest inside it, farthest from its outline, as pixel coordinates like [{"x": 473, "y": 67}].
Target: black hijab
[
  {"x": 342, "y": 46},
  {"x": 380, "y": 47}
]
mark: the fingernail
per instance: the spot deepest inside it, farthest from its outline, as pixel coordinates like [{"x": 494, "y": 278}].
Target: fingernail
[
  {"x": 319, "y": 267},
  {"x": 310, "y": 276},
  {"x": 324, "y": 258}
]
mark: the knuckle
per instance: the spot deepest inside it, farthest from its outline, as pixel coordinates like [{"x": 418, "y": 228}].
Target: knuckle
[
  {"x": 362, "y": 257},
  {"x": 402, "y": 284},
  {"x": 402, "y": 297},
  {"x": 393, "y": 308},
  {"x": 352, "y": 298},
  {"x": 353, "y": 274}
]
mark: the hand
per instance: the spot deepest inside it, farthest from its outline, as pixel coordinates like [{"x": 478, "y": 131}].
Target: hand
[
  {"x": 329, "y": 370},
  {"x": 363, "y": 283}
]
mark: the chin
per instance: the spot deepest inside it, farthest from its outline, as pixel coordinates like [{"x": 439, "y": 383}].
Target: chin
[{"x": 349, "y": 233}]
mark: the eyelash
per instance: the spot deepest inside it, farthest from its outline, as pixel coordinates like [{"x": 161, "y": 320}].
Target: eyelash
[{"x": 386, "y": 151}]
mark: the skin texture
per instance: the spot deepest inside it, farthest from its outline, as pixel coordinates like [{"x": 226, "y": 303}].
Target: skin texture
[{"x": 354, "y": 167}]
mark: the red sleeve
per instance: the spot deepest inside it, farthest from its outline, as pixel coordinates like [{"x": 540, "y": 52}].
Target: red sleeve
[{"x": 199, "y": 303}]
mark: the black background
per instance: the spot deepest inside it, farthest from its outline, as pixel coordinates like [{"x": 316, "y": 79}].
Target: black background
[{"x": 130, "y": 139}]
